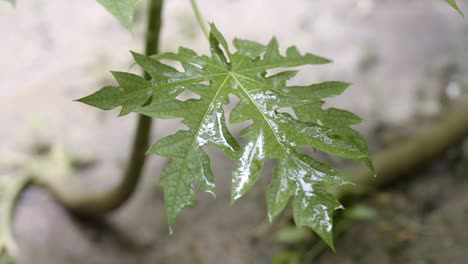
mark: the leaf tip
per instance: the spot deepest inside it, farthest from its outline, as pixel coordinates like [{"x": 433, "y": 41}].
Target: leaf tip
[
  {"x": 123, "y": 11},
  {"x": 370, "y": 165},
  {"x": 328, "y": 238},
  {"x": 341, "y": 86},
  {"x": 454, "y": 4},
  {"x": 212, "y": 194},
  {"x": 138, "y": 57},
  {"x": 84, "y": 100},
  {"x": 347, "y": 84},
  {"x": 79, "y": 100},
  {"x": 136, "y": 54},
  {"x": 326, "y": 60},
  {"x": 271, "y": 218},
  {"x": 234, "y": 198},
  {"x": 273, "y": 42},
  {"x": 332, "y": 246},
  {"x": 114, "y": 74}
]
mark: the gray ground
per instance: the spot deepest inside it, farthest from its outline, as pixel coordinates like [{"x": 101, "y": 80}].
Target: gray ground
[{"x": 398, "y": 54}]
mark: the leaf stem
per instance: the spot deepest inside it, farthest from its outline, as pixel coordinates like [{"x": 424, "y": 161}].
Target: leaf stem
[{"x": 200, "y": 19}]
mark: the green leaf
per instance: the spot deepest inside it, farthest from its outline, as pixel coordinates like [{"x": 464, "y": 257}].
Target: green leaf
[
  {"x": 272, "y": 133},
  {"x": 315, "y": 210},
  {"x": 131, "y": 94},
  {"x": 123, "y": 10},
  {"x": 454, "y": 5}
]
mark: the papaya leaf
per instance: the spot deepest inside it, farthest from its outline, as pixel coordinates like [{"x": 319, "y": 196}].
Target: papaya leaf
[
  {"x": 273, "y": 133},
  {"x": 123, "y": 10},
  {"x": 453, "y": 3}
]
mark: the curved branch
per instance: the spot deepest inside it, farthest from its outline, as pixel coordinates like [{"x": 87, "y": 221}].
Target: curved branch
[
  {"x": 77, "y": 198},
  {"x": 406, "y": 156},
  {"x": 75, "y": 195},
  {"x": 7, "y": 240}
]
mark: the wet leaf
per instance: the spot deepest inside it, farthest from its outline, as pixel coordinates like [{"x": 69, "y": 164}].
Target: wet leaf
[
  {"x": 454, "y": 5},
  {"x": 273, "y": 133},
  {"x": 123, "y": 10}
]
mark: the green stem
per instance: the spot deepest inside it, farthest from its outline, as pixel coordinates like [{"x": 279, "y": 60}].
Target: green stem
[
  {"x": 200, "y": 19},
  {"x": 76, "y": 198},
  {"x": 405, "y": 157},
  {"x": 7, "y": 213},
  {"x": 154, "y": 29}
]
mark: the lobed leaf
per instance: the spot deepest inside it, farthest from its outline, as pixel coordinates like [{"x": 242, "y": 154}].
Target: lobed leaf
[{"x": 273, "y": 133}]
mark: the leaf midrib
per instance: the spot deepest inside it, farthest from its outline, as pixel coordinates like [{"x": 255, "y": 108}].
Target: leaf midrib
[
  {"x": 195, "y": 135},
  {"x": 244, "y": 90},
  {"x": 156, "y": 89}
]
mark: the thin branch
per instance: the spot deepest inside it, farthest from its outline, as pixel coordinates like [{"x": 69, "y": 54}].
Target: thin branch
[
  {"x": 405, "y": 157},
  {"x": 7, "y": 213},
  {"x": 200, "y": 19}
]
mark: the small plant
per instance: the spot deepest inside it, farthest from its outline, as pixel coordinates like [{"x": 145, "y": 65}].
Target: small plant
[
  {"x": 281, "y": 118},
  {"x": 274, "y": 134}
]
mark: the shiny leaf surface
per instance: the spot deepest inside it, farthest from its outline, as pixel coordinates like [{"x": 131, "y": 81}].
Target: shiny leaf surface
[{"x": 273, "y": 133}]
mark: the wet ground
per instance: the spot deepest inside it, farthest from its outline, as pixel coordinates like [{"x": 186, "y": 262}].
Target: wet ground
[{"x": 399, "y": 55}]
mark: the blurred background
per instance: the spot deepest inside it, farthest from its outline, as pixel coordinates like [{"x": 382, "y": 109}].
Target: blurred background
[{"x": 407, "y": 61}]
